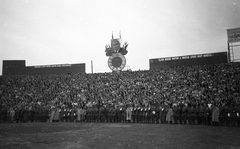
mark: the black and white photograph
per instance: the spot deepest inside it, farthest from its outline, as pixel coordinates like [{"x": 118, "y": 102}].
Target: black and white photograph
[{"x": 111, "y": 74}]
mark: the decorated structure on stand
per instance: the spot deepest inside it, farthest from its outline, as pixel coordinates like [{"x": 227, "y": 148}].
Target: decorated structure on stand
[{"x": 116, "y": 52}]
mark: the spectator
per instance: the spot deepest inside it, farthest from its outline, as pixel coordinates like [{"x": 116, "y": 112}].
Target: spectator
[
  {"x": 169, "y": 117},
  {"x": 33, "y": 96},
  {"x": 215, "y": 115}
]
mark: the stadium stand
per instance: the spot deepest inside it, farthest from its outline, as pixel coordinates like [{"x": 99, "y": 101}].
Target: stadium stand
[{"x": 203, "y": 95}]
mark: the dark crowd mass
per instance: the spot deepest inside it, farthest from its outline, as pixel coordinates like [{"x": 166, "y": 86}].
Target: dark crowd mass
[{"x": 196, "y": 95}]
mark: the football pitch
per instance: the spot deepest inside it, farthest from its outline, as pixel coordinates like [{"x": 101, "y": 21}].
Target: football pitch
[{"x": 117, "y": 136}]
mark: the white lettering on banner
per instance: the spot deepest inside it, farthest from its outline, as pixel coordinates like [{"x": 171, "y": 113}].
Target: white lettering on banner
[
  {"x": 188, "y": 57},
  {"x": 66, "y": 65},
  {"x": 175, "y": 58},
  {"x": 49, "y": 66},
  {"x": 207, "y": 55},
  {"x": 185, "y": 57},
  {"x": 193, "y": 56}
]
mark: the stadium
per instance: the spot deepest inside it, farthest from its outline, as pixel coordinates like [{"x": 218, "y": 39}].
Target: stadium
[
  {"x": 190, "y": 98},
  {"x": 196, "y": 95},
  {"x": 181, "y": 91}
]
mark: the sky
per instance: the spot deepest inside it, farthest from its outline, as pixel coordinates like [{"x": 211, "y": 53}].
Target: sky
[{"x": 48, "y": 32}]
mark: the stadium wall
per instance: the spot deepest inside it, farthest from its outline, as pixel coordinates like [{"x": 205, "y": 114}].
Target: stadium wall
[
  {"x": 18, "y": 67},
  {"x": 189, "y": 60}
]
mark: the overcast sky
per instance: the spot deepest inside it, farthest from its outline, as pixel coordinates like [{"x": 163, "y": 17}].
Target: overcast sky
[{"x": 45, "y": 32}]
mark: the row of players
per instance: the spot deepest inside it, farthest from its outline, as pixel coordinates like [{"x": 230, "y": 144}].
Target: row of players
[{"x": 177, "y": 114}]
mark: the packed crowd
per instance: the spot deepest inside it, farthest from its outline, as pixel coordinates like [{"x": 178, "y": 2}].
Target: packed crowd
[{"x": 186, "y": 95}]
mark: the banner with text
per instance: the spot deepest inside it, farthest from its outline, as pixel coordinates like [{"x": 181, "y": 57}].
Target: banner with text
[{"x": 233, "y": 35}]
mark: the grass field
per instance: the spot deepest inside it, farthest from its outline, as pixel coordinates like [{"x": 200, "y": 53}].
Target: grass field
[{"x": 116, "y": 136}]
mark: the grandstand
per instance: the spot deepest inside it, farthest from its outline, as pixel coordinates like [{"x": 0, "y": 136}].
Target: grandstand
[
  {"x": 181, "y": 95},
  {"x": 18, "y": 67}
]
